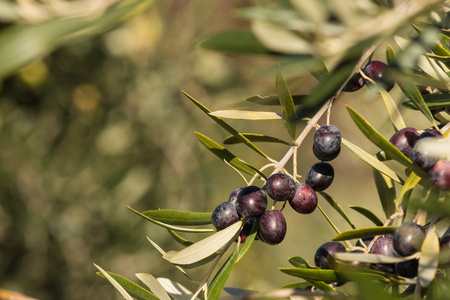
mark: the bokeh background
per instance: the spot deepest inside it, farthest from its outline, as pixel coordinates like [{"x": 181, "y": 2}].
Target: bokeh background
[{"x": 99, "y": 123}]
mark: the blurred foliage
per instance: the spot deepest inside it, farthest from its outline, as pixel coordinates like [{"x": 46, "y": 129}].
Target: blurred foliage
[{"x": 92, "y": 120}]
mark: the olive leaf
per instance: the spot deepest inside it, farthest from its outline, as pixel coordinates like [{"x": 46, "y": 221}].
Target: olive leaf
[
  {"x": 386, "y": 191},
  {"x": 135, "y": 290},
  {"x": 246, "y": 115},
  {"x": 428, "y": 261},
  {"x": 364, "y": 232},
  {"x": 221, "y": 277},
  {"x": 153, "y": 285},
  {"x": 287, "y": 105},
  {"x": 254, "y": 137},
  {"x": 207, "y": 246},
  {"x": 115, "y": 284},
  {"x": 178, "y": 217},
  {"x": 175, "y": 290},
  {"x": 368, "y": 214}
]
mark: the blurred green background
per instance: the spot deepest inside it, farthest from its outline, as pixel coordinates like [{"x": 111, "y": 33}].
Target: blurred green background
[{"x": 97, "y": 121}]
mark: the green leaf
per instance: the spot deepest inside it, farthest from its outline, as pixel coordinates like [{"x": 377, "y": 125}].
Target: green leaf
[
  {"x": 178, "y": 217},
  {"x": 371, "y": 258},
  {"x": 207, "y": 246},
  {"x": 373, "y": 135},
  {"x": 405, "y": 192},
  {"x": 239, "y": 42},
  {"x": 170, "y": 254},
  {"x": 300, "y": 262},
  {"x": 433, "y": 101},
  {"x": 386, "y": 192},
  {"x": 153, "y": 285},
  {"x": 221, "y": 277},
  {"x": 428, "y": 261},
  {"x": 222, "y": 153},
  {"x": 118, "y": 286},
  {"x": 364, "y": 232},
  {"x": 337, "y": 207},
  {"x": 225, "y": 126},
  {"x": 135, "y": 290},
  {"x": 410, "y": 90},
  {"x": 254, "y": 137},
  {"x": 273, "y": 99},
  {"x": 249, "y": 240},
  {"x": 313, "y": 274},
  {"x": 394, "y": 113},
  {"x": 168, "y": 226},
  {"x": 246, "y": 115},
  {"x": 287, "y": 105},
  {"x": 175, "y": 290},
  {"x": 368, "y": 214},
  {"x": 371, "y": 160},
  {"x": 179, "y": 239}
]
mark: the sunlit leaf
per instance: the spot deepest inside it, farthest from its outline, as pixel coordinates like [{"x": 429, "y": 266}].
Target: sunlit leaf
[
  {"x": 175, "y": 290},
  {"x": 207, "y": 246},
  {"x": 222, "y": 153},
  {"x": 405, "y": 192},
  {"x": 239, "y": 42},
  {"x": 254, "y": 137},
  {"x": 371, "y": 160},
  {"x": 221, "y": 277},
  {"x": 170, "y": 254},
  {"x": 429, "y": 259},
  {"x": 225, "y": 125},
  {"x": 386, "y": 191},
  {"x": 337, "y": 207},
  {"x": 273, "y": 99},
  {"x": 287, "y": 105},
  {"x": 168, "y": 226},
  {"x": 249, "y": 240},
  {"x": 178, "y": 217},
  {"x": 314, "y": 274},
  {"x": 368, "y": 214},
  {"x": 115, "y": 284},
  {"x": 394, "y": 113},
  {"x": 373, "y": 135},
  {"x": 364, "y": 232},
  {"x": 153, "y": 285},
  {"x": 246, "y": 115}
]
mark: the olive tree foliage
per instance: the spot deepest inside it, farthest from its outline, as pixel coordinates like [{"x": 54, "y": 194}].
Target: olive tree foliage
[{"x": 334, "y": 41}]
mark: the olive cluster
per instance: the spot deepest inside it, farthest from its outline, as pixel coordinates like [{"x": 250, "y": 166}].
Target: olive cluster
[
  {"x": 250, "y": 203},
  {"x": 407, "y": 240},
  {"x": 374, "y": 70},
  {"x": 408, "y": 141}
]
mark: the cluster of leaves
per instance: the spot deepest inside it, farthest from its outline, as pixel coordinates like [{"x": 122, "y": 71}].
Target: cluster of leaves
[{"x": 289, "y": 31}]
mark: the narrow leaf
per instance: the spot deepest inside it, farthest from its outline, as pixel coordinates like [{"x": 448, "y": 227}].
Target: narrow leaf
[
  {"x": 273, "y": 99},
  {"x": 364, "y": 232},
  {"x": 239, "y": 42},
  {"x": 254, "y": 137},
  {"x": 169, "y": 255},
  {"x": 246, "y": 115},
  {"x": 433, "y": 101},
  {"x": 176, "y": 228},
  {"x": 207, "y": 246},
  {"x": 115, "y": 284},
  {"x": 371, "y": 258},
  {"x": 153, "y": 285},
  {"x": 225, "y": 126},
  {"x": 178, "y": 217},
  {"x": 429, "y": 259},
  {"x": 368, "y": 214},
  {"x": 300, "y": 262},
  {"x": 413, "y": 94},
  {"x": 394, "y": 113},
  {"x": 135, "y": 290},
  {"x": 179, "y": 239},
  {"x": 386, "y": 192},
  {"x": 405, "y": 192},
  {"x": 249, "y": 240},
  {"x": 175, "y": 290},
  {"x": 371, "y": 160},
  {"x": 337, "y": 207},
  {"x": 221, "y": 277},
  {"x": 314, "y": 274},
  {"x": 373, "y": 135},
  {"x": 287, "y": 105},
  {"x": 222, "y": 153}
]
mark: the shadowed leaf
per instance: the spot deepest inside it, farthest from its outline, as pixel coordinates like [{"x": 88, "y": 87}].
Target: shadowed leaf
[
  {"x": 364, "y": 232},
  {"x": 386, "y": 191},
  {"x": 368, "y": 214},
  {"x": 246, "y": 115},
  {"x": 118, "y": 286},
  {"x": 153, "y": 285},
  {"x": 429, "y": 259},
  {"x": 221, "y": 277},
  {"x": 175, "y": 290},
  {"x": 287, "y": 105},
  {"x": 337, "y": 207},
  {"x": 273, "y": 99}
]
